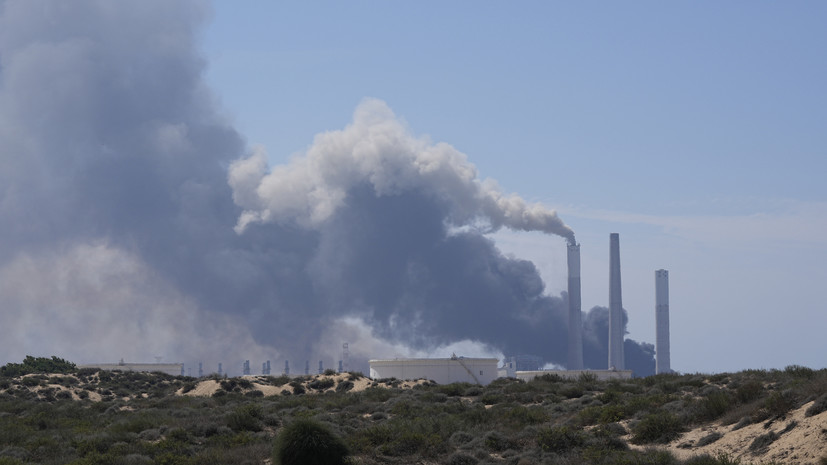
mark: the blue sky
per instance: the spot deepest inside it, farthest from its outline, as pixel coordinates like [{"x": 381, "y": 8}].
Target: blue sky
[{"x": 698, "y": 131}]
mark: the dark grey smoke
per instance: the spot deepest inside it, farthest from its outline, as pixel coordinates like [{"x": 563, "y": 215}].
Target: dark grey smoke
[
  {"x": 638, "y": 356},
  {"x": 135, "y": 225}
]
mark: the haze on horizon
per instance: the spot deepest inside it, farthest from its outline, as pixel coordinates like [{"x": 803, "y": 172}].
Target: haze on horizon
[{"x": 143, "y": 218}]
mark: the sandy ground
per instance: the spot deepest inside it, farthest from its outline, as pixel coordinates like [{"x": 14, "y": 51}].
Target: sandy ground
[
  {"x": 55, "y": 388},
  {"x": 805, "y": 443},
  {"x": 209, "y": 387}
]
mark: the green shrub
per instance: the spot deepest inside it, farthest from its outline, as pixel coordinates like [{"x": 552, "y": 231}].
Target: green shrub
[
  {"x": 461, "y": 437},
  {"x": 520, "y": 416},
  {"x": 709, "y": 439},
  {"x": 377, "y": 394},
  {"x": 492, "y": 398},
  {"x": 549, "y": 378},
  {"x": 706, "y": 459},
  {"x": 762, "y": 442},
  {"x": 572, "y": 391},
  {"x": 409, "y": 442},
  {"x": 610, "y": 396},
  {"x": 344, "y": 386},
  {"x": 307, "y": 442},
  {"x": 818, "y": 406},
  {"x": 297, "y": 388},
  {"x": 473, "y": 391},
  {"x": 607, "y": 438},
  {"x": 798, "y": 371},
  {"x": 779, "y": 403},
  {"x": 749, "y": 391},
  {"x": 658, "y": 427},
  {"x": 277, "y": 380},
  {"x": 587, "y": 379},
  {"x": 611, "y": 414},
  {"x": 744, "y": 421},
  {"x": 245, "y": 418},
  {"x": 461, "y": 459},
  {"x": 611, "y": 429},
  {"x": 714, "y": 405},
  {"x": 320, "y": 384},
  {"x": 560, "y": 439},
  {"x": 31, "y": 381},
  {"x": 453, "y": 389},
  {"x": 652, "y": 457},
  {"x": 229, "y": 384},
  {"x": 496, "y": 442}
]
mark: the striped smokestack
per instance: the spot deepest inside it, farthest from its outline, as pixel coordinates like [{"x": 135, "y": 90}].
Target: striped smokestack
[
  {"x": 575, "y": 357},
  {"x": 616, "y": 329},
  {"x": 662, "y": 364}
]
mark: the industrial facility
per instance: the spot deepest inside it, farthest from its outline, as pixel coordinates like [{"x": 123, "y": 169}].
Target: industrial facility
[
  {"x": 483, "y": 371},
  {"x": 441, "y": 370},
  {"x": 174, "y": 369},
  {"x": 526, "y": 367}
]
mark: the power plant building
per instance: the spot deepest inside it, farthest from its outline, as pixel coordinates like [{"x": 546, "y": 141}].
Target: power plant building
[
  {"x": 616, "y": 329},
  {"x": 662, "y": 363},
  {"x": 480, "y": 371},
  {"x": 575, "y": 342},
  {"x": 525, "y": 367},
  {"x": 173, "y": 369}
]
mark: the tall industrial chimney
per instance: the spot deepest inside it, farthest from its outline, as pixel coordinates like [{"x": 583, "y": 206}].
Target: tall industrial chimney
[
  {"x": 575, "y": 357},
  {"x": 616, "y": 329},
  {"x": 662, "y": 364}
]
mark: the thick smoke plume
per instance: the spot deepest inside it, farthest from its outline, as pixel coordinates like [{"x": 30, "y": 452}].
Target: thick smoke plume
[
  {"x": 134, "y": 225},
  {"x": 376, "y": 152}
]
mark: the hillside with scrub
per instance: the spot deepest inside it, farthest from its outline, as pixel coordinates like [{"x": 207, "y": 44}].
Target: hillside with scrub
[{"x": 54, "y": 413}]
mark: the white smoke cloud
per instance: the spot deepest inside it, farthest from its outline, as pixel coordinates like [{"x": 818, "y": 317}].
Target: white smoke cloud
[
  {"x": 93, "y": 303},
  {"x": 377, "y": 149},
  {"x": 364, "y": 343}
]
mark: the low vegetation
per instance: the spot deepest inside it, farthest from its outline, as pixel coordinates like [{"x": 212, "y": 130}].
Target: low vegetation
[{"x": 53, "y": 413}]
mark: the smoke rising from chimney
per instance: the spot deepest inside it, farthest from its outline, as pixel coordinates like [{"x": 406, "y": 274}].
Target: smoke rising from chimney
[
  {"x": 122, "y": 219},
  {"x": 376, "y": 151}
]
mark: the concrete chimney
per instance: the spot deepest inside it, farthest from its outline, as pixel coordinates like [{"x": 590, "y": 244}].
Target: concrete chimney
[
  {"x": 662, "y": 364},
  {"x": 616, "y": 329},
  {"x": 575, "y": 356}
]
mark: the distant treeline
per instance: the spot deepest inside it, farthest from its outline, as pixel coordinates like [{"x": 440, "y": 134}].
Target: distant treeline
[{"x": 38, "y": 365}]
